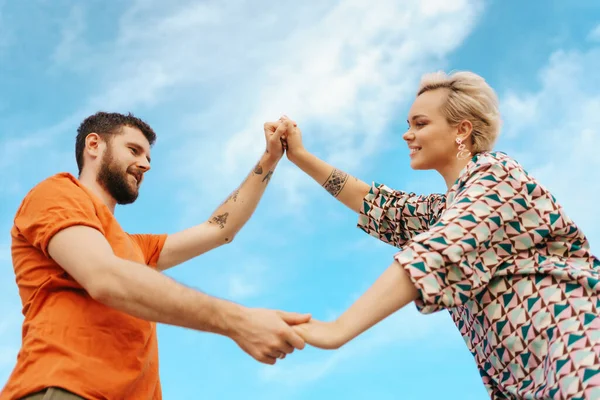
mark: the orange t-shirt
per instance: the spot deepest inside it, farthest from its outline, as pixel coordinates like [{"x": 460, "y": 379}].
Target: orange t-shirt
[{"x": 70, "y": 340}]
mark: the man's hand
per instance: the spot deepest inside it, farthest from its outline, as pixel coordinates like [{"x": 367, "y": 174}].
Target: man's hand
[
  {"x": 324, "y": 335},
  {"x": 267, "y": 335},
  {"x": 275, "y": 136}
]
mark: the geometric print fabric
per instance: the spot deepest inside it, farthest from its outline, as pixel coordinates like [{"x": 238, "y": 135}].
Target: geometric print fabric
[{"x": 514, "y": 272}]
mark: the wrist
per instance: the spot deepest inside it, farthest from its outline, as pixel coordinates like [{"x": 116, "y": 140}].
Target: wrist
[
  {"x": 297, "y": 155},
  {"x": 340, "y": 333},
  {"x": 227, "y": 316},
  {"x": 269, "y": 160}
]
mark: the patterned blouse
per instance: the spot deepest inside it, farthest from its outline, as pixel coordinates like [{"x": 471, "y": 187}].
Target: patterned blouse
[{"x": 515, "y": 273}]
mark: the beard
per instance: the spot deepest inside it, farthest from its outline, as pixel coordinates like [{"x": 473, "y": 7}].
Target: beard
[{"x": 116, "y": 181}]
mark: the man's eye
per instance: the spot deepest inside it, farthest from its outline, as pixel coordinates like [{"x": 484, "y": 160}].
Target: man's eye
[{"x": 133, "y": 150}]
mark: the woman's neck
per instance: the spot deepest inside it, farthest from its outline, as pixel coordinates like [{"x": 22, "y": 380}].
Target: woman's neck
[{"x": 451, "y": 171}]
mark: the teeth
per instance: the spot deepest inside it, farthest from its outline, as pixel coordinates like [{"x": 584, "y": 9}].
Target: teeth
[{"x": 412, "y": 151}]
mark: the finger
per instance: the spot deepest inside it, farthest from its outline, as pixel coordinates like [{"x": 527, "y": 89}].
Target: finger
[
  {"x": 285, "y": 117},
  {"x": 280, "y": 355},
  {"x": 267, "y": 359},
  {"x": 294, "y": 339},
  {"x": 286, "y": 348},
  {"x": 300, "y": 330},
  {"x": 293, "y": 318},
  {"x": 271, "y": 126},
  {"x": 282, "y": 130}
]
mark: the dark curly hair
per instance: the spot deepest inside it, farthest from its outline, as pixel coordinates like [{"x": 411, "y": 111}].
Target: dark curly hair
[{"x": 108, "y": 124}]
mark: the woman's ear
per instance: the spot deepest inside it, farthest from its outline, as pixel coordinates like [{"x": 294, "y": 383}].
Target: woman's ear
[{"x": 464, "y": 130}]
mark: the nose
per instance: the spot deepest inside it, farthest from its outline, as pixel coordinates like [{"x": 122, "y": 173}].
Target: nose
[
  {"x": 144, "y": 165},
  {"x": 408, "y": 135}
]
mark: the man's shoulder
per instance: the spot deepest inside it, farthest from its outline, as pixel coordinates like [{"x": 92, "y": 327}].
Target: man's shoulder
[
  {"x": 57, "y": 183},
  {"x": 53, "y": 189}
]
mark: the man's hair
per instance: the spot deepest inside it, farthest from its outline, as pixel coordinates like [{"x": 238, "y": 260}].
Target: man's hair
[{"x": 106, "y": 125}]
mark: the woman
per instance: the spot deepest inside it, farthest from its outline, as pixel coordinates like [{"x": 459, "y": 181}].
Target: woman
[{"x": 497, "y": 251}]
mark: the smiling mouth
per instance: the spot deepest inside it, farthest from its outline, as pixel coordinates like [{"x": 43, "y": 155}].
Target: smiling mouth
[
  {"x": 414, "y": 150},
  {"x": 138, "y": 178}
]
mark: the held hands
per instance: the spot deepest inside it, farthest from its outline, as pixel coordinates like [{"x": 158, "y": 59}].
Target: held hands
[
  {"x": 275, "y": 136},
  {"x": 324, "y": 335},
  {"x": 267, "y": 335},
  {"x": 293, "y": 140},
  {"x": 283, "y": 135}
]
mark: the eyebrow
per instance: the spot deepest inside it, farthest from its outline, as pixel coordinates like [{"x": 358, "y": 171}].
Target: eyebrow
[
  {"x": 416, "y": 116},
  {"x": 139, "y": 148}
]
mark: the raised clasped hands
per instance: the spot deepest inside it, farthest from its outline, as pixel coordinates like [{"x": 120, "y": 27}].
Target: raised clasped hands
[
  {"x": 283, "y": 136},
  {"x": 276, "y": 136}
]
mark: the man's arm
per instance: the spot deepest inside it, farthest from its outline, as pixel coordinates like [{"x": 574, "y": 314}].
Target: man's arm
[
  {"x": 227, "y": 220},
  {"x": 349, "y": 190},
  {"x": 147, "y": 294}
]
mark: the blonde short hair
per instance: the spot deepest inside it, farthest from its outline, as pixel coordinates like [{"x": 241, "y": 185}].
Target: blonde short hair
[{"x": 470, "y": 98}]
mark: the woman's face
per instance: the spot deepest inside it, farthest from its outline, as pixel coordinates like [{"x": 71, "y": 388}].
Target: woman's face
[{"x": 431, "y": 140}]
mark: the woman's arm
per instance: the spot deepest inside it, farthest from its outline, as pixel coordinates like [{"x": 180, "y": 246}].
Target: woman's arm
[
  {"x": 390, "y": 292},
  {"x": 389, "y": 215},
  {"x": 349, "y": 190},
  {"x": 453, "y": 261}
]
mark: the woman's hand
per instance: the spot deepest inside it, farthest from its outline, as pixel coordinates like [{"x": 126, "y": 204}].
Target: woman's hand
[
  {"x": 324, "y": 335},
  {"x": 293, "y": 140}
]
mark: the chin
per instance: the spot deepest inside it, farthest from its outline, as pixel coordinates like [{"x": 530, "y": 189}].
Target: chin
[{"x": 418, "y": 165}]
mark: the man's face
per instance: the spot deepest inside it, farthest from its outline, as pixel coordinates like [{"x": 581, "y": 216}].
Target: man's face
[{"x": 123, "y": 164}]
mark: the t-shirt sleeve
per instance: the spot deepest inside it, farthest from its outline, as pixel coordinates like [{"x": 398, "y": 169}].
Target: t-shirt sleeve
[
  {"x": 50, "y": 207},
  {"x": 455, "y": 260},
  {"x": 151, "y": 246},
  {"x": 395, "y": 217}
]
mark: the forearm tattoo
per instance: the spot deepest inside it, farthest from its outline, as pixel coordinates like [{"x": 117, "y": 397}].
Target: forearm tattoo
[
  {"x": 268, "y": 176},
  {"x": 258, "y": 169},
  {"x": 221, "y": 220},
  {"x": 234, "y": 195},
  {"x": 336, "y": 182}
]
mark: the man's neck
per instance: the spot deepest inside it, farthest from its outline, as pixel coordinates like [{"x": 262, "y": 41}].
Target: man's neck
[{"x": 89, "y": 181}]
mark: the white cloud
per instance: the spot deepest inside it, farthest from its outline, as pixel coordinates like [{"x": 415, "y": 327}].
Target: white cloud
[
  {"x": 246, "y": 281},
  {"x": 341, "y": 69},
  {"x": 521, "y": 110},
  {"x": 557, "y": 128},
  {"x": 240, "y": 277},
  {"x": 70, "y": 44},
  {"x": 594, "y": 34},
  {"x": 347, "y": 71}
]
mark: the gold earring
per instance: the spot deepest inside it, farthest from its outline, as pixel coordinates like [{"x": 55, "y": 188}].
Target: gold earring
[{"x": 463, "y": 152}]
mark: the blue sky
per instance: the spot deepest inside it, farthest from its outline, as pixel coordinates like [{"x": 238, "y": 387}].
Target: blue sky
[{"x": 206, "y": 75}]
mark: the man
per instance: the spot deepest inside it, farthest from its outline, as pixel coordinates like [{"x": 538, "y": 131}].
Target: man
[{"x": 92, "y": 294}]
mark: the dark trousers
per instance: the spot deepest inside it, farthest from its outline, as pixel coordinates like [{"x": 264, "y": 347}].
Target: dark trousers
[{"x": 53, "y": 394}]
